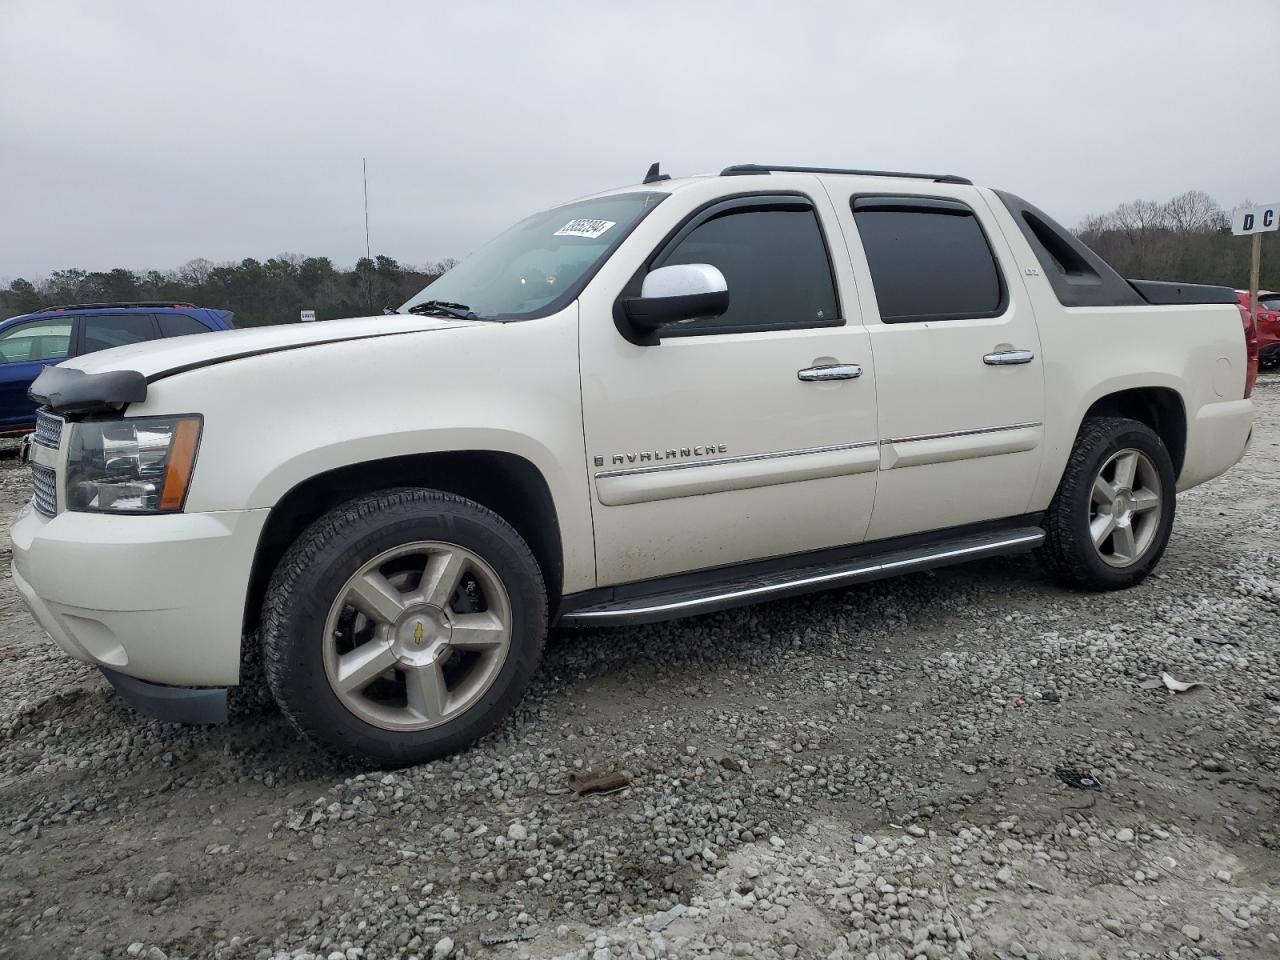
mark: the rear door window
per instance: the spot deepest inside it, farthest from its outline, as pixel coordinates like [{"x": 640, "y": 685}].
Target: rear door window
[
  {"x": 105, "y": 332},
  {"x": 929, "y": 260}
]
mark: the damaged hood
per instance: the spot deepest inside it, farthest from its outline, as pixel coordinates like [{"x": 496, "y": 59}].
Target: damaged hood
[
  {"x": 112, "y": 378},
  {"x": 156, "y": 358}
]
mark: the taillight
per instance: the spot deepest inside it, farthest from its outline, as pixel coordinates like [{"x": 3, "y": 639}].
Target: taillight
[{"x": 1251, "y": 352}]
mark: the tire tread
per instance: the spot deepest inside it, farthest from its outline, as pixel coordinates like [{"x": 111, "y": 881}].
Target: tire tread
[
  {"x": 283, "y": 592},
  {"x": 1067, "y": 542}
]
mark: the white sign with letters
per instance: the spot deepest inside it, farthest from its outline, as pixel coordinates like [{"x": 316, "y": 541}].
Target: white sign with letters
[
  {"x": 1259, "y": 219},
  {"x": 308, "y": 316}
]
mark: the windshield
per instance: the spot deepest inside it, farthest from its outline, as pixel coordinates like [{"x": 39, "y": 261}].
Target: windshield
[{"x": 543, "y": 262}]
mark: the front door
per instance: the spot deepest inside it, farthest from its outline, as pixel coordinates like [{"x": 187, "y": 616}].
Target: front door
[
  {"x": 961, "y": 385},
  {"x": 25, "y": 350},
  {"x": 718, "y": 444}
]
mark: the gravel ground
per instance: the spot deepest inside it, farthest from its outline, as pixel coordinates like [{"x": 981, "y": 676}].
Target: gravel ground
[{"x": 867, "y": 773}]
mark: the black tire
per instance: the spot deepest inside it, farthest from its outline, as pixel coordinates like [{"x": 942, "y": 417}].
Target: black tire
[
  {"x": 330, "y": 551},
  {"x": 1068, "y": 551}
]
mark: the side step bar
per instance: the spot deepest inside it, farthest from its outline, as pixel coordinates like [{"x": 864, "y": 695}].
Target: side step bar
[{"x": 743, "y": 590}]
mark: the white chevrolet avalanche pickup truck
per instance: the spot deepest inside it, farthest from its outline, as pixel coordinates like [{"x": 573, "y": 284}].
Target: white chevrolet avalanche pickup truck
[{"x": 658, "y": 401}]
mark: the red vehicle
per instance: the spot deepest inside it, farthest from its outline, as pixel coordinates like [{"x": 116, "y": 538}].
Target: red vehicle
[{"x": 1268, "y": 326}]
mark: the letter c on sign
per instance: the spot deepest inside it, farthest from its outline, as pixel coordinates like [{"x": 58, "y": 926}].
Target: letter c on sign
[
  {"x": 1268, "y": 217},
  {"x": 1248, "y": 222}
]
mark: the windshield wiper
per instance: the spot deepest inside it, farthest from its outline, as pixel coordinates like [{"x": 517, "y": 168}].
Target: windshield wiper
[{"x": 459, "y": 310}]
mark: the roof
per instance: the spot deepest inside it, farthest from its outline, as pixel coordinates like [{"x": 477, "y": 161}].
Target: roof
[{"x": 123, "y": 306}]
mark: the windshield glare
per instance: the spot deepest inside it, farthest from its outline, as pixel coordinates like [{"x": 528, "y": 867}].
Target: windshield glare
[{"x": 541, "y": 263}]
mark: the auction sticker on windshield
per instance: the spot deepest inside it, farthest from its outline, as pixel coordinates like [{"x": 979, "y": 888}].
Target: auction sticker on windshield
[{"x": 585, "y": 228}]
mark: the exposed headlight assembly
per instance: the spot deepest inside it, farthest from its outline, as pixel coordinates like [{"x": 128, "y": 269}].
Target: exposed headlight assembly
[{"x": 138, "y": 465}]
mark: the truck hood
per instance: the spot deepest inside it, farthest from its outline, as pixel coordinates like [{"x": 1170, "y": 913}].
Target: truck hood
[
  {"x": 158, "y": 358},
  {"x": 112, "y": 379}
]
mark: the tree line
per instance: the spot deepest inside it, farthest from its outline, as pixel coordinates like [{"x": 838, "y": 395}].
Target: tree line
[
  {"x": 1187, "y": 238},
  {"x": 259, "y": 292}
]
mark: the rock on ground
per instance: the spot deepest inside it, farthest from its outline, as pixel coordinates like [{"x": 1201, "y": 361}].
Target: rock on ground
[{"x": 863, "y": 773}]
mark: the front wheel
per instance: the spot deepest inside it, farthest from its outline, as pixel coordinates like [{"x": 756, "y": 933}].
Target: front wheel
[
  {"x": 403, "y": 625},
  {"x": 1110, "y": 520}
]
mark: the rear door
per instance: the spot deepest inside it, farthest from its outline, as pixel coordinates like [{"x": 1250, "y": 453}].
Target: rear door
[
  {"x": 959, "y": 373},
  {"x": 25, "y": 350}
]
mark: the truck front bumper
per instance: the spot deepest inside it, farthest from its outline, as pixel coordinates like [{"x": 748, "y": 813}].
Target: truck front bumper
[
  {"x": 158, "y": 599},
  {"x": 194, "y": 705}
]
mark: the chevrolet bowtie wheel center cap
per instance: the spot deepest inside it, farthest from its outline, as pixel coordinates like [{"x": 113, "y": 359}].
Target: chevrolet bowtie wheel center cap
[
  {"x": 1123, "y": 502},
  {"x": 421, "y": 636}
]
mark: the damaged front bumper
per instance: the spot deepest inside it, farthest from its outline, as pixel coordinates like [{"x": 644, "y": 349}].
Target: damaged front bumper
[
  {"x": 200, "y": 706},
  {"x": 155, "y": 599}
]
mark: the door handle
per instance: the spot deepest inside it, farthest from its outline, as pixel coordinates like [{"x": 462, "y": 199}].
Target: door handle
[
  {"x": 830, "y": 371},
  {"x": 1007, "y": 357}
]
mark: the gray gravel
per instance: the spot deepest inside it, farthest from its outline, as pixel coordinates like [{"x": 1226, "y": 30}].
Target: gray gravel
[{"x": 868, "y": 773}]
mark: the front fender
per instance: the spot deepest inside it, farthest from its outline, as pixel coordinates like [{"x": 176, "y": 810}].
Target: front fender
[{"x": 274, "y": 421}]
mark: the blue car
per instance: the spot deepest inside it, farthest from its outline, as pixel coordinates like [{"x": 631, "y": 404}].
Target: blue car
[{"x": 33, "y": 341}]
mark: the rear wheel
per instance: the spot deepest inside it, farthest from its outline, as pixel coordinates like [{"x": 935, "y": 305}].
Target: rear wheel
[
  {"x": 1110, "y": 520},
  {"x": 403, "y": 626}
]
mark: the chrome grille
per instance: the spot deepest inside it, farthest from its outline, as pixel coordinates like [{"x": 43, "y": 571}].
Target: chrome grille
[
  {"x": 45, "y": 482},
  {"x": 48, "y": 429}
]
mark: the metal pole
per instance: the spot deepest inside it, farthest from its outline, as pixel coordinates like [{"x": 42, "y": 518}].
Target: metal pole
[
  {"x": 364, "y": 167},
  {"x": 1254, "y": 269},
  {"x": 368, "y": 255}
]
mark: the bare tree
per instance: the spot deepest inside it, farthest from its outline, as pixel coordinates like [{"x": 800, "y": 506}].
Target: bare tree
[
  {"x": 196, "y": 272},
  {"x": 1194, "y": 212},
  {"x": 1094, "y": 225}
]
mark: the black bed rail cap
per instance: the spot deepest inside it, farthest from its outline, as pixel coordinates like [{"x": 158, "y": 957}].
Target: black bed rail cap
[
  {"x": 1167, "y": 293},
  {"x": 66, "y": 390},
  {"x": 746, "y": 169}
]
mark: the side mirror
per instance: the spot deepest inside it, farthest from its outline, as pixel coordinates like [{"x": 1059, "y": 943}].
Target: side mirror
[{"x": 676, "y": 294}]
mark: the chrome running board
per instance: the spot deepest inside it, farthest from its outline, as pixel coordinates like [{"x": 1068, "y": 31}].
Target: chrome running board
[{"x": 734, "y": 588}]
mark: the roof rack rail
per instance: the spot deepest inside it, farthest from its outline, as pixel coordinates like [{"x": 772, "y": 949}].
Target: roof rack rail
[
  {"x": 745, "y": 169},
  {"x": 106, "y": 305}
]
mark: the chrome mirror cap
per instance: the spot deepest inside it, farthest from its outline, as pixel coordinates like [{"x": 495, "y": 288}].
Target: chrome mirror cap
[{"x": 683, "y": 280}]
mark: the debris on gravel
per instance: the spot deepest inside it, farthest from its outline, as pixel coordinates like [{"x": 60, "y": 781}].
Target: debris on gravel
[{"x": 960, "y": 764}]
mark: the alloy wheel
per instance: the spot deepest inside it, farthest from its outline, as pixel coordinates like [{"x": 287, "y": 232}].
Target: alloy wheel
[
  {"x": 1125, "y": 508},
  {"x": 417, "y": 635}
]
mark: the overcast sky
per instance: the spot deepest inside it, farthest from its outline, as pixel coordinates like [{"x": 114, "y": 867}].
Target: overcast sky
[{"x": 144, "y": 134}]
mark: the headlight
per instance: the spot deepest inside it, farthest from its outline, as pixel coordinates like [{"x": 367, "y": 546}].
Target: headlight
[{"x": 142, "y": 465}]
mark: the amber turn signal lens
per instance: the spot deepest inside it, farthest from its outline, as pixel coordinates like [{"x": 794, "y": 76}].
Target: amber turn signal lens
[{"x": 182, "y": 457}]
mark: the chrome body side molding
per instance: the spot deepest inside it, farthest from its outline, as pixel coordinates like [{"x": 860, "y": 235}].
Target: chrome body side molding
[
  {"x": 689, "y": 478},
  {"x": 686, "y": 478},
  {"x": 959, "y": 445}
]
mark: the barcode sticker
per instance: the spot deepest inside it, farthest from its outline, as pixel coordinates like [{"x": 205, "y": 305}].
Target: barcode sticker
[{"x": 585, "y": 228}]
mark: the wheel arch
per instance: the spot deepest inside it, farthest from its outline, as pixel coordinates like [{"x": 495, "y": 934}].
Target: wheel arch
[
  {"x": 1160, "y": 408},
  {"x": 506, "y": 483}
]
